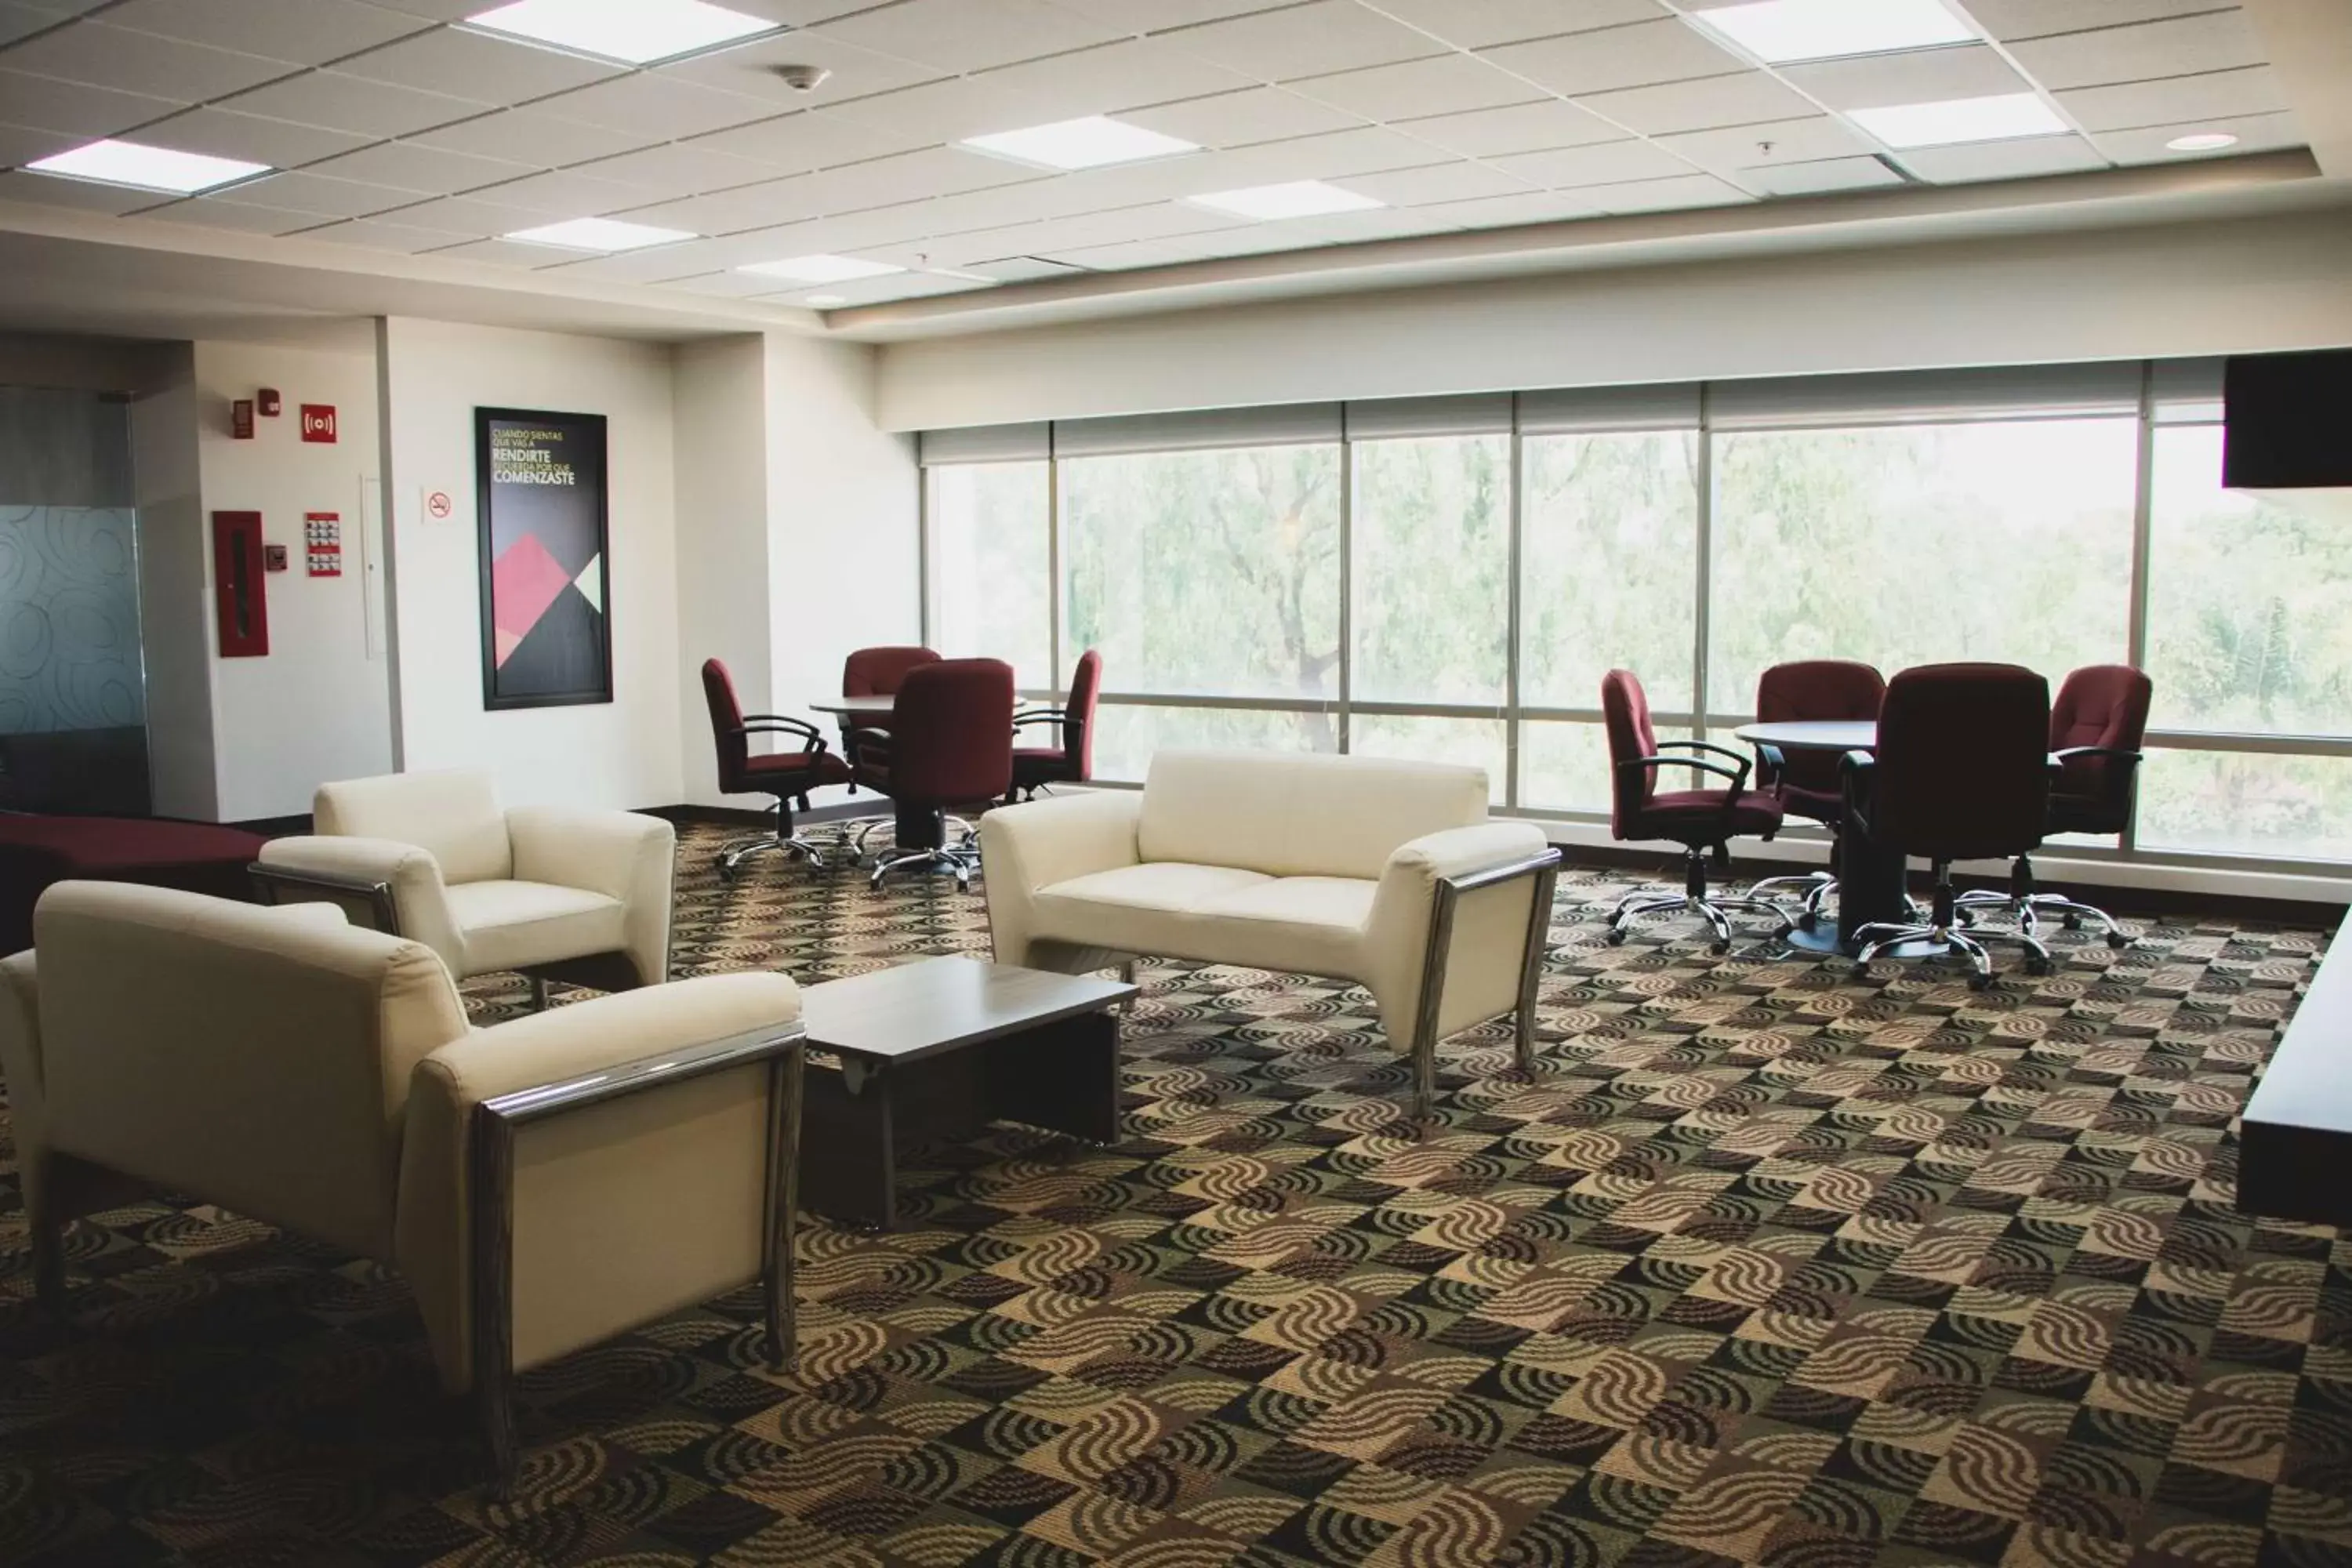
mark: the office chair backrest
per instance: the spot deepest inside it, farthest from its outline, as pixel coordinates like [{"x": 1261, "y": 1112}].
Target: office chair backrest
[
  {"x": 882, "y": 671},
  {"x": 952, "y": 732},
  {"x": 2100, "y": 705},
  {"x": 1963, "y": 762},
  {"x": 726, "y": 725},
  {"x": 1625, "y": 715},
  {"x": 1078, "y": 715},
  {"x": 1819, "y": 689}
]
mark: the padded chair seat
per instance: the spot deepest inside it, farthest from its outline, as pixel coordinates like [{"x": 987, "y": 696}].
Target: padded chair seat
[
  {"x": 514, "y": 925},
  {"x": 821, "y": 767},
  {"x": 1819, "y": 805},
  {"x": 1670, "y": 813},
  {"x": 1039, "y": 754}
]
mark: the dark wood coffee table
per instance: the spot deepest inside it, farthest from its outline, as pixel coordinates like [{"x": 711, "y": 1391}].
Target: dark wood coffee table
[{"x": 934, "y": 1050}]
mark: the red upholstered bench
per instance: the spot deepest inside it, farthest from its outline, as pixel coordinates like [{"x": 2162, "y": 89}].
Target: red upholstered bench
[{"x": 36, "y": 851}]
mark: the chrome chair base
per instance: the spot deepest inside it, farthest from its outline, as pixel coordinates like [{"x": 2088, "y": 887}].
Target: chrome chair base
[
  {"x": 1715, "y": 911},
  {"x": 959, "y": 862},
  {"x": 1950, "y": 940},
  {"x": 853, "y": 846},
  {"x": 732, "y": 855},
  {"x": 2031, "y": 908}
]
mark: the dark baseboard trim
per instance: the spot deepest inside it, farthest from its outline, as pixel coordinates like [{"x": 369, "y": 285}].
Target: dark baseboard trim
[
  {"x": 276, "y": 826},
  {"x": 744, "y": 816}
]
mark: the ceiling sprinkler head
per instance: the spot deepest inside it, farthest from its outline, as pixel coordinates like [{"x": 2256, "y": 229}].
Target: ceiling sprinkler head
[{"x": 801, "y": 79}]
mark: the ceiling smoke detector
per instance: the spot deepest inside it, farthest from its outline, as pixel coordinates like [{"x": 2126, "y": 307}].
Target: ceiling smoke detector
[{"x": 801, "y": 79}]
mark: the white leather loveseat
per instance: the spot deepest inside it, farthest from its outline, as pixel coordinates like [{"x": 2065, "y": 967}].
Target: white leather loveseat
[
  {"x": 1385, "y": 873},
  {"x": 542, "y": 1184},
  {"x": 556, "y": 892}
]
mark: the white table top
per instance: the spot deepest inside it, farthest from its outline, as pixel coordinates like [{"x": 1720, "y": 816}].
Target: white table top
[
  {"x": 857, "y": 706},
  {"x": 1813, "y": 734}
]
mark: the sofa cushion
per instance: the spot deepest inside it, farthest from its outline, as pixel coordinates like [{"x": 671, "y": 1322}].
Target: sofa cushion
[
  {"x": 512, "y": 925},
  {"x": 1299, "y": 816},
  {"x": 1306, "y": 925},
  {"x": 453, "y": 814}
]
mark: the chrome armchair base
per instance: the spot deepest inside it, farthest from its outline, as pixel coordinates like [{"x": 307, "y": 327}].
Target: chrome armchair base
[
  {"x": 1716, "y": 910},
  {"x": 1445, "y": 902},
  {"x": 733, "y": 855},
  {"x": 1948, "y": 939},
  {"x": 959, "y": 862}
]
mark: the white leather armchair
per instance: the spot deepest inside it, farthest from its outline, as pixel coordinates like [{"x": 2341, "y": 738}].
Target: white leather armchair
[
  {"x": 542, "y": 1184},
  {"x": 557, "y": 893},
  {"x": 1385, "y": 873}
]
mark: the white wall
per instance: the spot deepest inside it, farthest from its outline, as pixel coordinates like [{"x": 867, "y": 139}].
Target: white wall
[
  {"x": 623, "y": 753},
  {"x": 175, "y": 600},
  {"x": 318, "y": 706},
  {"x": 2227, "y": 287},
  {"x": 723, "y": 541}
]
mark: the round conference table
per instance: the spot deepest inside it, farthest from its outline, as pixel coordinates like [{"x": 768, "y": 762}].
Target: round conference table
[
  {"x": 1870, "y": 879},
  {"x": 856, "y": 707}
]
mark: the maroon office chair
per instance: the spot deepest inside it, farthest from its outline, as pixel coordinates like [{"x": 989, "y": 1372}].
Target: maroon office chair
[
  {"x": 881, "y": 672},
  {"x": 1072, "y": 762},
  {"x": 1700, "y": 820},
  {"x": 785, "y": 775},
  {"x": 951, "y": 746},
  {"x": 2097, "y": 727},
  {"x": 1962, "y": 772},
  {"x": 1808, "y": 782}
]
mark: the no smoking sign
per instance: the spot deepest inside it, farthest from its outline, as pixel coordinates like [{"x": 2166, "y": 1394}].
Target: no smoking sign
[{"x": 438, "y": 505}]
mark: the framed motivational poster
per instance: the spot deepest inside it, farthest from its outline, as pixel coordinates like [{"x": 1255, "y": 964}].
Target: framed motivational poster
[{"x": 547, "y": 638}]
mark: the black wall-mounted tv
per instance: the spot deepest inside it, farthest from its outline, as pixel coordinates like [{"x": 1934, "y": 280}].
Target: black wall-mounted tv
[{"x": 2288, "y": 421}]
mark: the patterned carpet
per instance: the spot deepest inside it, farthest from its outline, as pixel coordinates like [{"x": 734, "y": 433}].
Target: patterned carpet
[{"x": 1766, "y": 1266}]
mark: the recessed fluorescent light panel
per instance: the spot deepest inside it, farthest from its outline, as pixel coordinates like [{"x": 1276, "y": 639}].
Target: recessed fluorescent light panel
[
  {"x": 1778, "y": 31},
  {"x": 2002, "y": 118},
  {"x": 637, "y": 32},
  {"x": 1296, "y": 198},
  {"x": 600, "y": 234},
  {"x": 822, "y": 269},
  {"x": 148, "y": 168},
  {"x": 1087, "y": 143},
  {"x": 2201, "y": 141}
]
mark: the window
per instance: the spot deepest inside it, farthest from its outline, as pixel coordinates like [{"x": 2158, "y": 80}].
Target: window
[
  {"x": 989, "y": 565},
  {"x": 1431, "y": 577},
  {"x": 1610, "y": 574},
  {"x": 1917, "y": 544},
  {"x": 1129, "y": 732},
  {"x": 1211, "y": 573}
]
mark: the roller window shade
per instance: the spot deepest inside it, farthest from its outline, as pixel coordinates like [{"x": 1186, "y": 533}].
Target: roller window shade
[
  {"x": 986, "y": 443},
  {"x": 1925, "y": 397},
  {"x": 1602, "y": 408},
  {"x": 1289, "y": 426},
  {"x": 1404, "y": 418},
  {"x": 2186, "y": 391}
]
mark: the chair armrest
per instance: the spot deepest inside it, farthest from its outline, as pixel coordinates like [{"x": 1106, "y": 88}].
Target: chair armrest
[
  {"x": 397, "y": 885},
  {"x": 777, "y": 725},
  {"x": 623, "y": 855},
  {"x": 1025, "y": 848},
  {"x": 1770, "y": 764},
  {"x": 594, "y": 1194},
  {"x": 1495, "y": 933},
  {"x": 1858, "y": 772},
  {"x": 1738, "y": 776}
]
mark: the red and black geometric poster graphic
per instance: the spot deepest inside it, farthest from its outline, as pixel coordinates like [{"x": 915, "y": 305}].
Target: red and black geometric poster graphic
[{"x": 546, "y": 628}]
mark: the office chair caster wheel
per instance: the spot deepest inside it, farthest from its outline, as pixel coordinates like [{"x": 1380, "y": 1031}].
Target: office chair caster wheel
[
  {"x": 2038, "y": 966},
  {"x": 726, "y": 869},
  {"x": 2072, "y": 923},
  {"x": 1807, "y": 922},
  {"x": 1980, "y": 982},
  {"x": 1615, "y": 937},
  {"x": 1858, "y": 971},
  {"x": 2118, "y": 940},
  {"x": 1718, "y": 947}
]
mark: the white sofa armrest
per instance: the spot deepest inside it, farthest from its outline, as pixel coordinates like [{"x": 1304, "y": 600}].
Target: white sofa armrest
[
  {"x": 1486, "y": 956},
  {"x": 1033, "y": 846},
  {"x": 341, "y": 871},
  {"x": 623, "y": 855},
  {"x": 622, "y": 1211}
]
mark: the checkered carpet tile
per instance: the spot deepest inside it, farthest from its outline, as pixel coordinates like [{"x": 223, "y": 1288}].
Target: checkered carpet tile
[{"x": 1767, "y": 1266}]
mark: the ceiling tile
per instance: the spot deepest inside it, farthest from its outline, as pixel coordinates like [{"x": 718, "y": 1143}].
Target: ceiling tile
[
  {"x": 1158, "y": 15},
  {"x": 2256, "y": 133},
  {"x": 2175, "y": 101},
  {"x": 20, "y": 145},
  {"x": 943, "y": 111},
  {"x": 50, "y": 191},
  {"x": 42, "y": 104},
  {"x": 1686, "y": 191},
  {"x": 1817, "y": 177},
  {"x": 883, "y": 181},
  {"x": 1130, "y": 74},
  {"x": 726, "y": 285},
  {"x": 657, "y": 264},
  {"x": 2011, "y": 19},
  {"x": 2222, "y": 40},
  {"x": 2002, "y": 160},
  {"x": 16, "y": 21},
  {"x": 1314, "y": 39},
  {"x": 1133, "y": 253},
  {"x": 1567, "y": 168},
  {"x": 1704, "y": 104},
  {"x": 750, "y": 69},
  {"x": 1439, "y": 182},
  {"x": 1917, "y": 75},
  {"x": 676, "y": 169},
  {"x": 567, "y": 193},
  {"x": 1240, "y": 119},
  {"x": 279, "y": 143},
  {"x": 1480, "y": 24},
  {"x": 1812, "y": 139},
  {"x": 1153, "y": 220},
  {"x": 381, "y": 235},
  {"x": 763, "y": 206},
  {"x": 340, "y": 102},
  {"x": 114, "y": 57},
  {"x": 1335, "y": 156},
  {"x": 477, "y": 65},
  {"x": 1510, "y": 211},
  {"x": 432, "y": 171},
  {"x": 308, "y": 32},
  {"x": 655, "y": 106},
  {"x": 486, "y": 213},
  {"x": 1444, "y": 84},
  {"x": 306, "y": 192},
  {"x": 878, "y": 290},
  {"x": 1638, "y": 56},
  {"x": 1529, "y": 128},
  {"x": 1025, "y": 269},
  {"x": 504, "y": 253},
  {"x": 528, "y": 136},
  {"x": 792, "y": 144},
  {"x": 435, "y": 10},
  {"x": 971, "y": 35},
  {"x": 207, "y": 212}
]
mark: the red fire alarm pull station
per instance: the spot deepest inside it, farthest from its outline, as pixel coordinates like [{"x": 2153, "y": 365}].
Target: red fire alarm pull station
[
  {"x": 317, "y": 422},
  {"x": 237, "y": 598},
  {"x": 240, "y": 419},
  {"x": 266, "y": 402},
  {"x": 322, "y": 542}
]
